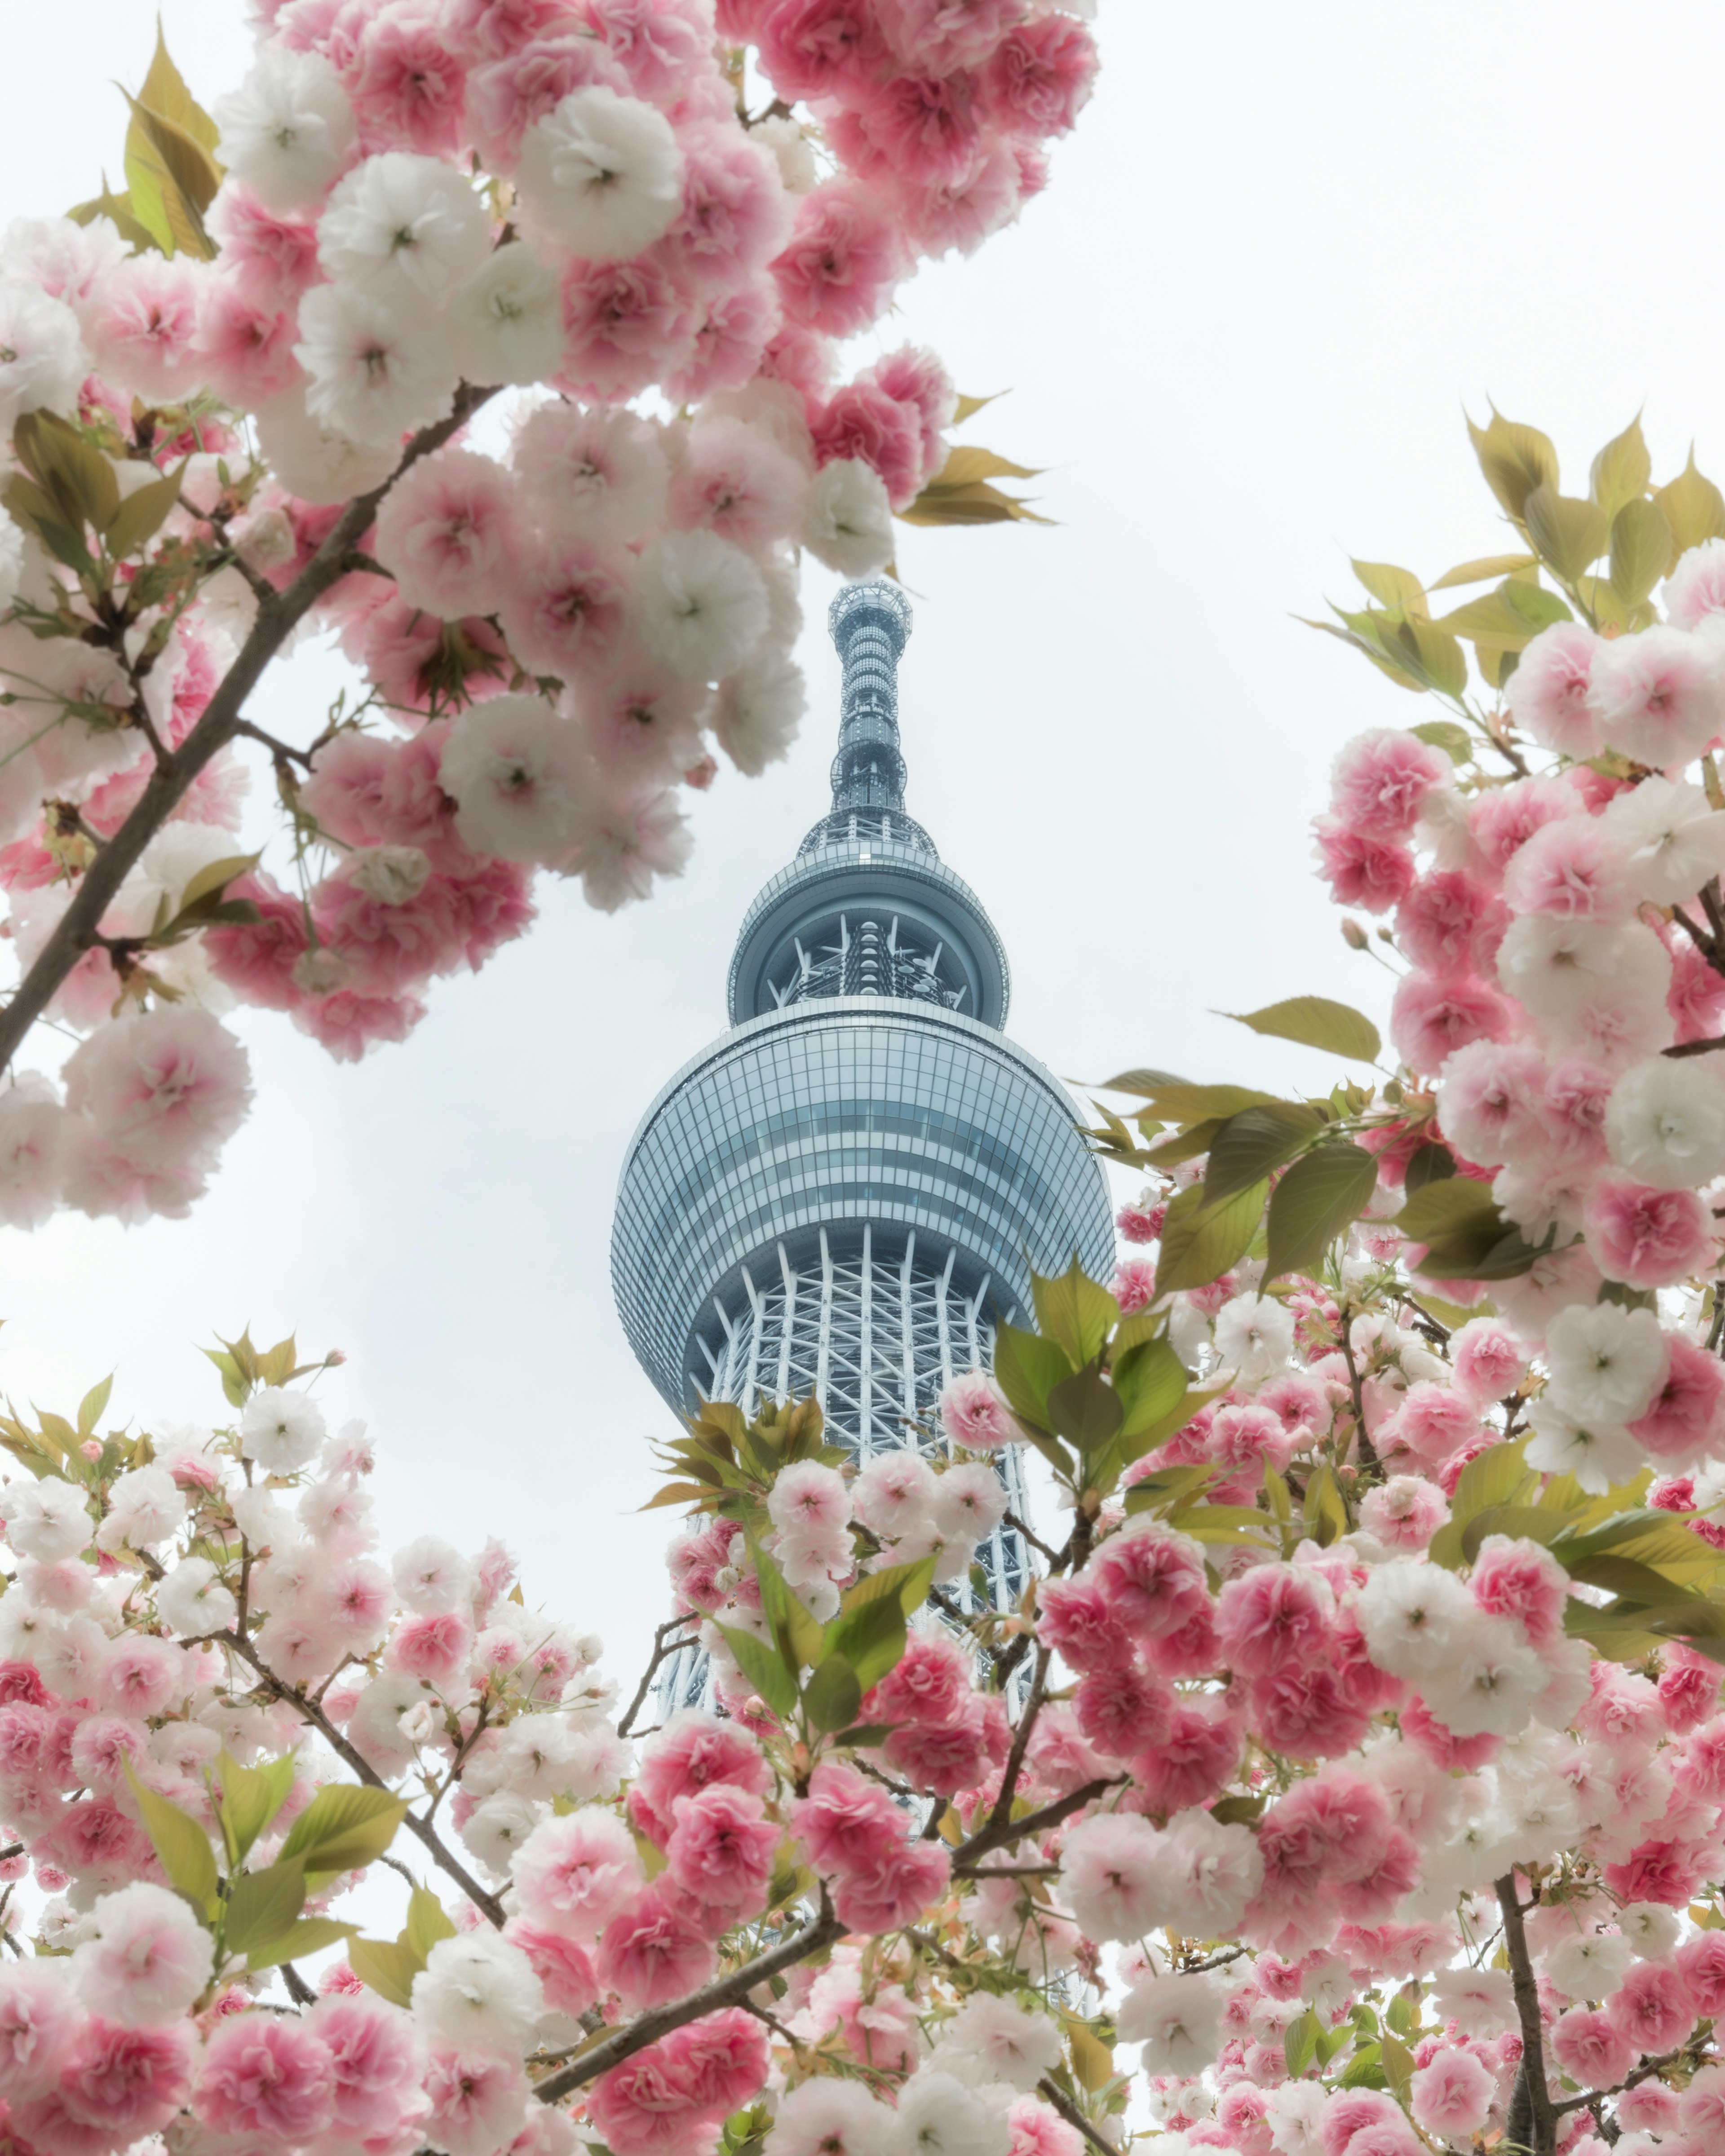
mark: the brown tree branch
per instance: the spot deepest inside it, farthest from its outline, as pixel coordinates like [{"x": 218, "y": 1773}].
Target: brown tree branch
[
  {"x": 724, "y": 1991},
  {"x": 661, "y": 1653},
  {"x": 1002, "y": 1807},
  {"x": 75, "y": 931},
  {"x": 1532, "y": 2092},
  {"x": 996, "y": 1834}
]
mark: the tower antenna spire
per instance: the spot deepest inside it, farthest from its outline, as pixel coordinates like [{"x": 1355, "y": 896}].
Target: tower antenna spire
[{"x": 869, "y": 623}]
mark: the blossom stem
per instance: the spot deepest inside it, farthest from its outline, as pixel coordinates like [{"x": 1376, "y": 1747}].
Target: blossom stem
[
  {"x": 175, "y": 770},
  {"x": 1532, "y": 2091},
  {"x": 724, "y": 1991}
]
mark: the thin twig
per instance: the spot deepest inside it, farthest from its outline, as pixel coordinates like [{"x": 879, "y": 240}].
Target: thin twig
[
  {"x": 1018, "y": 1526},
  {"x": 725, "y": 1991},
  {"x": 660, "y": 1653},
  {"x": 298, "y": 1990},
  {"x": 1051, "y": 2093}
]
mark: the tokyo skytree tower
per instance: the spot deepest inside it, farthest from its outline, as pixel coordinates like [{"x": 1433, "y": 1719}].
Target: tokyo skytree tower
[{"x": 845, "y": 1192}]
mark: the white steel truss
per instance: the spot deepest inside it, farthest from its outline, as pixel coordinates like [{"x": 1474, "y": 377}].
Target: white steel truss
[{"x": 874, "y": 1338}]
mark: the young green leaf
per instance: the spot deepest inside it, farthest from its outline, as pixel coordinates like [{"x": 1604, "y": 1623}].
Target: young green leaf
[
  {"x": 261, "y": 1905},
  {"x": 387, "y": 1966},
  {"x": 344, "y": 1828},
  {"x": 310, "y": 1935},
  {"x": 1075, "y": 1311},
  {"x": 1316, "y": 1201},
  {"x": 181, "y": 1843},
  {"x": 761, "y": 1665},
  {"x": 1027, "y": 1366},
  {"x": 832, "y": 1694},
  {"x": 1315, "y": 1022},
  {"x": 1254, "y": 1142},
  {"x": 1199, "y": 1241},
  {"x": 248, "y": 1798}
]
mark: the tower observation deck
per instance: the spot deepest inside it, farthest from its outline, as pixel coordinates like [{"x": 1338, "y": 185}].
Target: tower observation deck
[{"x": 845, "y": 1192}]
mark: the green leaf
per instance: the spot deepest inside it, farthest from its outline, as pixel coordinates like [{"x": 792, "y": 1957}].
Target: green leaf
[
  {"x": 1027, "y": 1367},
  {"x": 387, "y": 1966},
  {"x": 310, "y": 1935},
  {"x": 1299, "y": 2043},
  {"x": 118, "y": 211},
  {"x": 344, "y": 1828},
  {"x": 1160, "y": 1430},
  {"x": 94, "y": 1406},
  {"x": 1199, "y": 1241},
  {"x": 1483, "y": 571},
  {"x": 141, "y": 515},
  {"x": 1694, "y": 508},
  {"x": 1455, "y": 742},
  {"x": 763, "y": 1669},
  {"x": 428, "y": 1921},
  {"x": 832, "y": 1694},
  {"x": 1085, "y": 1410},
  {"x": 1515, "y": 459},
  {"x": 1253, "y": 1143},
  {"x": 181, "y": 1843},
  {"x": 1571, "y": 534},
  {"x": 1076, "y": 1311},
  {"x": 248, "y": 1798},
  {"x": 797, "y": 1633},
  {"x": 1495, "y": 1477},
  {"x": 261, "y": 1905},
  {"x": 1315, "y": 1022},
  {"x": 1640, "y": 550},
  {"x": 1149, "y": 1381},
  {"x": 869, "y": 1631},
  {"x": 1451, "y": 1206},
  {"x": 1621, "y": 471},
  {"x": 1398, "y": 589},
  {"x": 1177, "y": 1103},
  {"x": 1431, "y": 1163},
  {"x": 1319, "y": 1197},
  {"x": 1325, "y": 1513}
]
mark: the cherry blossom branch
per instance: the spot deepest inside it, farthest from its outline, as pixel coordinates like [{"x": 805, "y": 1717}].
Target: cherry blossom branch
[
  {"x": 1018, "y": 1528},
  {"x": 1366, "y": 1451},
  {"x": 1051, "y": 2093},
  {"x": 661, "y": 1653},
  {"x": 1642, "y": 2073},
  {"x": 174, "y": 770},
  {"x": 730, "y": 1990},
  {"x": 997, "y": 1833},
  {"x": 1531, "y": 2090},
  {"x": 1021, "y": 1738},
  {"x": 486, "y": 1903}
]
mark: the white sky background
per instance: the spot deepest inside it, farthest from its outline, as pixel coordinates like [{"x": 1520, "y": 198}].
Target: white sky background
[{"x": 1283, "y": 252}]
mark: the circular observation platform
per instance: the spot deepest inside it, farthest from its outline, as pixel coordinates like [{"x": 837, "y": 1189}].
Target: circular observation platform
[{"x": 800, "y": 1133}]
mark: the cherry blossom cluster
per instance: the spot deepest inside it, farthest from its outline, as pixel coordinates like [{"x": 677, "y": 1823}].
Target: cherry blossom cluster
[{"x": 409, "y": 210}]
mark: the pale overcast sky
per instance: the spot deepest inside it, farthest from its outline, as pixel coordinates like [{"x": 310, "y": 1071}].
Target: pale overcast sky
[{"x": 1284, "y": 250}]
